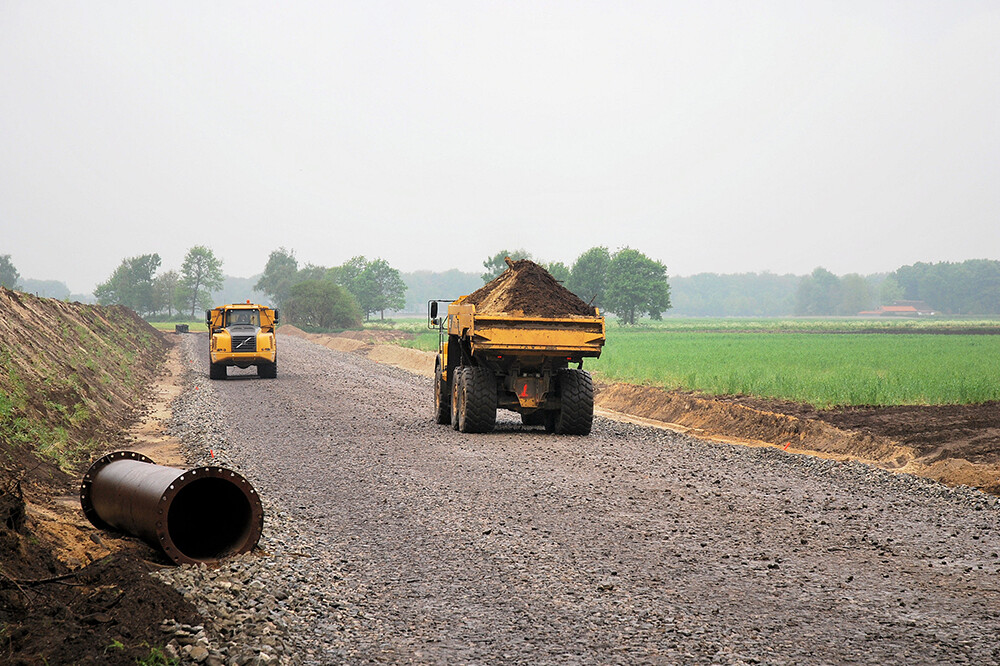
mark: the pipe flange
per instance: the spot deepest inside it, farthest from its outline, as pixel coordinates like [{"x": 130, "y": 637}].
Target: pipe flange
[
  {"x": 88, "y": 482},
  {"x": 256, "y": 526}
]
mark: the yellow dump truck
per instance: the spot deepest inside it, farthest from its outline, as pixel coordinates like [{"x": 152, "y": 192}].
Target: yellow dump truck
[
  {"x": 242, "y": 334},
  {"x": 487, "y": 362}
]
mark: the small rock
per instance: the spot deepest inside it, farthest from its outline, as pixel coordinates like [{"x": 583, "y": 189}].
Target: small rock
[{"x": 198, "y": 654}]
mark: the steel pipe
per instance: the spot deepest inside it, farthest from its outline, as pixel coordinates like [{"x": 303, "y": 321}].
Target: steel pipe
[{"x": 199, "y": 515}]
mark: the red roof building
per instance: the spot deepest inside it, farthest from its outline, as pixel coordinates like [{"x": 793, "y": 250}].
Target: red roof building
[{"x": 900, "y": 309}]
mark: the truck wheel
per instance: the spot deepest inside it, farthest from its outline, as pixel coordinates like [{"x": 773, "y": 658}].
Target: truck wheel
[
  {"x": 576, "y": 416},
  {"x": 457, "y": 390},
  {"x": 216, "y": 371},
  {"x": 442, "y": 397},
  {"x": 478, "y": 408},
  {"x": 268, "y": 370}
]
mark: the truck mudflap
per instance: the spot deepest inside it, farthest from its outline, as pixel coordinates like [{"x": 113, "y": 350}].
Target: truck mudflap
[{"x": 531, "y": 392}]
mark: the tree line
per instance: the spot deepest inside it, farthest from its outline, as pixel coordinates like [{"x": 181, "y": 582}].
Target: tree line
[
  {"x": 626, "y": 283},
  {"x": 969, "y": 287},
  {"x": 310, "y": 296},
  {"x": 335, "y": 297},
  {"x": 135, "y": 284}
]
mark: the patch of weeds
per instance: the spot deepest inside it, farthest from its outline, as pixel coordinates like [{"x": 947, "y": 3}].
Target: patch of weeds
[
  {"x": 115, "y": 645},
  {"x": 6, "y": 408},
  {"x": 81, "y": 414},
  {"x": 156, "y": 657}
]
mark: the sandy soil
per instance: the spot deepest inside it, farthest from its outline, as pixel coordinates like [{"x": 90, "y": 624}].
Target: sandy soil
[{"x": 527, "y": 289}]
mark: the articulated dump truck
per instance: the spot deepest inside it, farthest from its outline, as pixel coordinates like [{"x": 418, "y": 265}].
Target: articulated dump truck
[
  {"x": 510, "y": 346},
  {"x": 242, "y": 335}
]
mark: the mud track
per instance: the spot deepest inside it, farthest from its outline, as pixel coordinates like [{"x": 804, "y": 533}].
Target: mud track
[{"x": 633, "y": 545}]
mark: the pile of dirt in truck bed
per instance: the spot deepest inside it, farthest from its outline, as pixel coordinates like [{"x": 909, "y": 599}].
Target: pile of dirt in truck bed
[
  {"x": 71, "y": 379},
  {"x": 526, "y": 289}
]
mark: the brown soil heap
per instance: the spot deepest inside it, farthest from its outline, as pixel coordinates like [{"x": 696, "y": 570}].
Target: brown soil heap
[{"x": 527, "y": 289}]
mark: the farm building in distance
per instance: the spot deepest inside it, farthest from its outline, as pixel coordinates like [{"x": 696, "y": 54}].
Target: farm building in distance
[{"x": 900, "y": 309}]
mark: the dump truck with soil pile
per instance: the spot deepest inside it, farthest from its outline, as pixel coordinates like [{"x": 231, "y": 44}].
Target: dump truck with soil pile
[
  {"x": 509, "y": 345},
  {"x": 242, "y": 334}
]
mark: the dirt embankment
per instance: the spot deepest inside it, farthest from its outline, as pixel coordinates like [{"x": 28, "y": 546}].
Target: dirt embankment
[
  {"x": 71, "y": 376},
  {"x": 953, "y": 444}
]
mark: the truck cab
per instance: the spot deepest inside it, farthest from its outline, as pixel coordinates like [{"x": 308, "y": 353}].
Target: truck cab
[{"x": 241, "y": 335}]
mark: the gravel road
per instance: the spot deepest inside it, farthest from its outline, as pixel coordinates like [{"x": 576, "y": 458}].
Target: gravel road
[{"x": 389, "y": 539}]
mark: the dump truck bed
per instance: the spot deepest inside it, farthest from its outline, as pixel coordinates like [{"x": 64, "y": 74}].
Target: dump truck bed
[{"x": 508, "y": 334}]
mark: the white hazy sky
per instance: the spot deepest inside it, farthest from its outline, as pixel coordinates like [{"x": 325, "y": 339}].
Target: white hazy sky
[{"x": 713, "y": 136}]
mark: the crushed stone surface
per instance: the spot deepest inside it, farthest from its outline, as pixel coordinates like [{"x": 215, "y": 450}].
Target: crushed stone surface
[{"x": 389, "y": 539}]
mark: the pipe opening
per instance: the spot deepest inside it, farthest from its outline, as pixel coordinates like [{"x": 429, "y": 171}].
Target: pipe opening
[{"x": 209, "y": 518}]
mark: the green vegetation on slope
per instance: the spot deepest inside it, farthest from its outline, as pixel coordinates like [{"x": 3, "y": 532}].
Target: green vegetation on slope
[{"x": 69, "y": 375}]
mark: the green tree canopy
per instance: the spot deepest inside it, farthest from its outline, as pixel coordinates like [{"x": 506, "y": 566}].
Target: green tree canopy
[
  {"x": 889, "y": 290},
  {"x": 818, "y": 294},
  {"x": 165, "y": 292},
  {"x": 855, "y": 295},
  {"x": 967, "y": 287},
  {"x": 559, "y": 271},
  {"x": 279, "y": 275},
  {"x": 347, "y": 274},
  {"x": 375, "y": 285},
  {"x": 380, "y": 288},
  {"x": 321, "y": 304},
  {"x": 636, "y": 284},
  {"x": 131, "y": 284},
  {"x": 201, "y": 274},
  {"x": 8, "y": 274},
  {"x": 497, "y": 264},
  {"x": 589, "y": 275},
  {"x": 312, "y": 272}
]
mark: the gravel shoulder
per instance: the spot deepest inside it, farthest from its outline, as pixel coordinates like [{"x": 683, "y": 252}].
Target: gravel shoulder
[{"x": 389, "y": 539}]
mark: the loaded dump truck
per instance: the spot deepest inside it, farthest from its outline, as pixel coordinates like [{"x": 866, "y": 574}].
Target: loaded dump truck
[
  {"x": 510, "y": 345},
  {"x": 242, "y": 335}
]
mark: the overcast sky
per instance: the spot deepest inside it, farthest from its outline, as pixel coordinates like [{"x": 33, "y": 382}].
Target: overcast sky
[{"x": 713, "y": 136}]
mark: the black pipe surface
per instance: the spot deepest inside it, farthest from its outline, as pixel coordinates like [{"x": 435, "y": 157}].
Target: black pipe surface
[{"x": 199, "y": 515}]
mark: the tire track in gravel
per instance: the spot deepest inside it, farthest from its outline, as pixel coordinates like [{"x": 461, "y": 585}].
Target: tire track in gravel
[{"x": 633, "y": 545}]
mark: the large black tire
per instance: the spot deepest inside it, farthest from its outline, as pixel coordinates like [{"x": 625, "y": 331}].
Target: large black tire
[
  {"x": 442, "y": 396},
  {"x": 477, "y": 409},
  {"x": 216, "y": 371},
  {"x": 268, "y": 370},
  {"x": 576, "y": 392}
]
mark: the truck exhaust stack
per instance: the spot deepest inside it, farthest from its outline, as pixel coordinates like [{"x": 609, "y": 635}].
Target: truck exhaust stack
[{"x": 201, "y": 515}]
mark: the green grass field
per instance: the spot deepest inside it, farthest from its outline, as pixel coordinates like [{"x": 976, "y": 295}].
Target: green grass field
[
  {"x": 824, "y": 369},
  {"x": 193, "y": 326}
]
